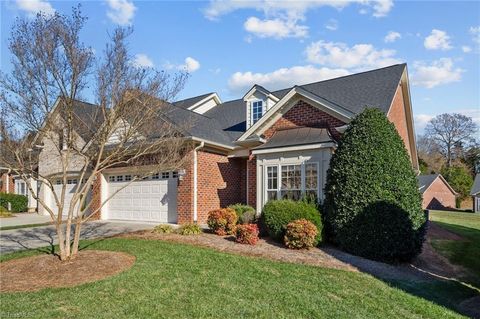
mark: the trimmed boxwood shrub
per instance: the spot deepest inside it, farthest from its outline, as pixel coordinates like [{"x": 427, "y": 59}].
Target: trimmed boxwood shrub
[
  {"x": 18, "y": 203},
  {"x": 246, "y": 214},
  {"x": 300, "y": 234},
  {"x": 371, "y": 183},
  {"x": 277, "y": 214},
  {"x": 222, "y": 221},
  {"x": 246, "y": 234}
]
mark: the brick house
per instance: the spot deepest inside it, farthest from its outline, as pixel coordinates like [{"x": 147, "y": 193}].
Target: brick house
[
  {"x": 436, "y": 192},
  {"x": 268, "y": 144},
  {"x": 11, "y": 184}
]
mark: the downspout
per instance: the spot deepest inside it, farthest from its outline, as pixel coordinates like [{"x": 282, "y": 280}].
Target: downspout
[{"x": 195, "y": 181}]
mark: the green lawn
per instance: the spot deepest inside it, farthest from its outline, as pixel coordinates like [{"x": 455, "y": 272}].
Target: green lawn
[
  {"x": 465, "y": 253},
  {"x": 172, "y": 280}
]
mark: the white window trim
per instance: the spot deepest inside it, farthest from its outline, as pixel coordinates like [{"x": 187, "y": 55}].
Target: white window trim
[
  {"x": 279, "y": 177},
  {"x": 251, "y": 110}
]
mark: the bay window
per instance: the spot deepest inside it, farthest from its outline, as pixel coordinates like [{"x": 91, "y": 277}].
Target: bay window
[{"x": 291, "y": 181}]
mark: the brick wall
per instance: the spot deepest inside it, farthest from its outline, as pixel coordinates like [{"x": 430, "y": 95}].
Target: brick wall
[
  {"x": 398, "y": 117},
  {"x": 221, "y": 182},
  {"x": 7, "y": 183},
  {"x": 252, "y": 181},
  {"x": 438, "y": 196},
  {"x": 185, "y": 193},
  {"x": 302, "y": 114}
]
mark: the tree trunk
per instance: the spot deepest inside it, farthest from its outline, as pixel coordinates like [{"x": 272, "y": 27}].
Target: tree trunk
[
  {"x": 76, "y": 238},
  {"x": 61, "y": 242}
]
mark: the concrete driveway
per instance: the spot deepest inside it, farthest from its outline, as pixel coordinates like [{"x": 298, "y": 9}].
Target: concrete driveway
[
  {"x": 24, "y": 219},
  {"x": 45, "y": 236}
]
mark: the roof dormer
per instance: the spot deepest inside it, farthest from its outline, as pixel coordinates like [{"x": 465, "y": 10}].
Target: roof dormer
[{"x": 258, "y": 101}]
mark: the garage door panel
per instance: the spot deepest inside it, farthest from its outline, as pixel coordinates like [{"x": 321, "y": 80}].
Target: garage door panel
[{"x": 148, "y": 200}]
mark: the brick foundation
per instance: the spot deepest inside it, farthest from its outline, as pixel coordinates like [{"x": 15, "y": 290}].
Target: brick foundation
[{"x": 7, "y": 184}]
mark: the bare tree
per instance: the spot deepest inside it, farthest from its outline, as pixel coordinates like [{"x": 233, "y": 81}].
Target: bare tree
[
  {"x": 448, "y": 131},
  {"x": 43, "y": 119}
]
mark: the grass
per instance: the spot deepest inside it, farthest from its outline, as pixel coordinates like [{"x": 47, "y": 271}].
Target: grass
[
  {"x": 4, "y": 213},
  {"x": 465, "y": 253},
  {"x": 171, "y": 280},
  {"x": 24, "y": 226}
]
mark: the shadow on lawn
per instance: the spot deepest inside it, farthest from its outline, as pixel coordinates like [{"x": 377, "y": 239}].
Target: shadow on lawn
[
  {"x": 43, "y": 239},
  {"x": 448, "y": 292}
]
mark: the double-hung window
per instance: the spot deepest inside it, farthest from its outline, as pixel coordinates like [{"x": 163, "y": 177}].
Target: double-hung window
[
  {"x": 272, "y": 182},
  {"x": 291, "y": 187},
  {"x": 292, "y": 181},
  {"x": 311, "y": 180},
  {"x": 257, "y": 111}
]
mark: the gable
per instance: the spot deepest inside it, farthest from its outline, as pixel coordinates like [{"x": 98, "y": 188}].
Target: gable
[
  {"x": 303, "y": 114},
  {"x": 440, "y": 186}
]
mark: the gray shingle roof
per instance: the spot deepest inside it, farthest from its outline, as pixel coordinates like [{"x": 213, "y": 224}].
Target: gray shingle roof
[
  {"x": 186, "y": 103},
  {"x": 226, "y": 122},
  {"x": 424, "y": 181},
  {"x": 476, "y": 185},
  {"x": 297, "y": 136},
  {"x": 354, "y": 92}
]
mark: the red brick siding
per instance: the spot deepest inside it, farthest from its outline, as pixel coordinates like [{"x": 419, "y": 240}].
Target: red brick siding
[
  {"x": 302, "y": 114},
  {"x": 185, "y": 193},
  {"x": 220, "y": 182},
  {"x": 398, "y": 117},
  {"x": 438, "y": 196},
  {"x": 7, "y": 181},
  {"x": 252, "y": 181}
]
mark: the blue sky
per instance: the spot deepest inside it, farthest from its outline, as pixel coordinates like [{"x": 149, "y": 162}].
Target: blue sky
[{"x": 228, "y": 46}]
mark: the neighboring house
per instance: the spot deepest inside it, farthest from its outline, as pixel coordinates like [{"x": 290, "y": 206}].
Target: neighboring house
[
  {"x": 475, "y": 193},
  {"x": 266, "y": 145},
  {"x": 436, "y": 192},
  {"x": 12, "y": 184}
]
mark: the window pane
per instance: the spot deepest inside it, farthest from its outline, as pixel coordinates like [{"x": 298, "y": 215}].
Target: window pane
[
  {"x": 120, "y": 178},
  {"x": 128, "y": 177},
  {"x": 272, "y": 178},
  {"x": 291, "y": 194},
  {"x": 311, "y": 175},
  {"x": 271, "y": 195},
  {"x": 165, "y": 175},
  {"x": 111, "y": 178},
  {"x": 291, "y": 177}
]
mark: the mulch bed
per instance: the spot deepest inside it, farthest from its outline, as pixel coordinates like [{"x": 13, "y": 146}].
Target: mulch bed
[{"x": 47, "y": 271}]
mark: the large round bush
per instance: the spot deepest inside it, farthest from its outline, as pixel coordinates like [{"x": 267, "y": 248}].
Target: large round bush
[
  {"x": 371, "y": 166},
  {"x": 277, "y": 214}
]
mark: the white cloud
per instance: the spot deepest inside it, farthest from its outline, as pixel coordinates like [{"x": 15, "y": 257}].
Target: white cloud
[
  {"x": 437, "y": 40},
  {"x": 475, "y": 32},
  {"x": 190, "y": 65},
  {"x": 121, "y": 11},
  {"x": 466, "y": 49},
  {"x": 33, "y": 7},
  {"x": 421, "y": 120},
  {"x": 297, "y": 9},
  {"x": 239, "y": 82},
  {"x": 358, "y": 57},
  {"x": 143, "y": 61},
  {"x": 276, "y": 28},
  {"x": 332, "y": 25},
  {"x": 392, "y": 36},
  {"x": 441, "y": 71}
]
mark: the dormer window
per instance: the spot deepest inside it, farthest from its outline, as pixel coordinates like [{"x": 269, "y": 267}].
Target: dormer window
[{"x": 257, "y": 111}]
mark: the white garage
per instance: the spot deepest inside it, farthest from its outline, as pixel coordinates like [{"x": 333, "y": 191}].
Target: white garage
[
  {"x": 70, "y": 189},
  {"x": 151, "y": 199}
]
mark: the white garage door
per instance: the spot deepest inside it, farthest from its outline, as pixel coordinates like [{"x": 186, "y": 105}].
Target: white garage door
[
  {"x": 71, "y": 187},
  {"x": 152, "y": 199}
]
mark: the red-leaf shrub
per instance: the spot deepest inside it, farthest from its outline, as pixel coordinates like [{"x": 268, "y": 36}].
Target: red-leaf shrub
[
  {"x": 247, "y": 234},
  {"x": 222, "y": 221},
  {"x": 300, "y": 234}
]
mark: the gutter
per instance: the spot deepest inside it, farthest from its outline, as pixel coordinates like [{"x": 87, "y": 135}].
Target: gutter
[{"x": 195, "y": 181}]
